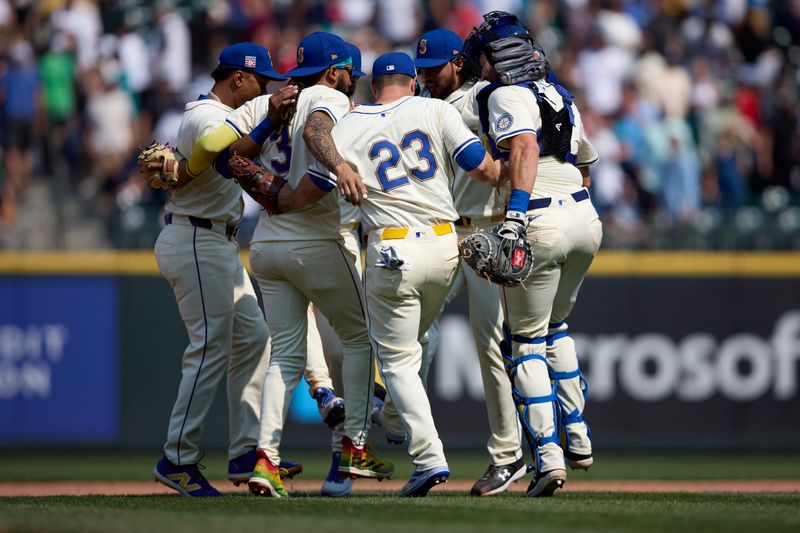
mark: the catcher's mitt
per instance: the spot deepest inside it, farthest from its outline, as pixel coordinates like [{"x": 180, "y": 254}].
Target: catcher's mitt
[
  {"x": 502, "y": 255},
  {"x": 262, "y": 186},
  {"x": 158, "y": 166},
  {"x": 517, "y": 60}
]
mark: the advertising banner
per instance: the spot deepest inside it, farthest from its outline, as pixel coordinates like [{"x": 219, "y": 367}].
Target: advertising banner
[
  {"x": 58, "y": 360},
  {"x": 671, "y": 363}
]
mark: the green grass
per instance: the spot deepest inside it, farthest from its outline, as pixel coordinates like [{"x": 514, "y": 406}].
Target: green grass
[
  {"x": 382, "y": 513},
  {"x": 103, "y": 466}
]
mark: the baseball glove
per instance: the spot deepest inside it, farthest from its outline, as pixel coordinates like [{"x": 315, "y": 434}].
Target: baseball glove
[
  {"x": 502, "y": 255},
  {"x": 158, "y": 166},
  {"x": 262, "y": 186},
  {"x": 517, "y": 60}
]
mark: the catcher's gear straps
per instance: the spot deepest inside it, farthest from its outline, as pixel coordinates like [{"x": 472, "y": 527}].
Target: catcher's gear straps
[
  {"x": 555, "y": 332},
  {"x": 524, "y": 402},
  {"x": 209, "y": 146},
  {"x": 558, "y": 135}
]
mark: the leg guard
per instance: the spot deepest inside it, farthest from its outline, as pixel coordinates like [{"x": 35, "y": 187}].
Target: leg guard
[
  {"x": 535, "y": 397},
  {"x": 570, "y": 386}
]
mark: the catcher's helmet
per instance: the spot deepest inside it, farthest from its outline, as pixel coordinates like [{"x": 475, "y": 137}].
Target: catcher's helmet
[{"x": 496, "y": 25}]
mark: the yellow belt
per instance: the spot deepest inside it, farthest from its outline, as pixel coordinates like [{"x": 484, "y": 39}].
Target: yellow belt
[{"x": 401, "y": 233}]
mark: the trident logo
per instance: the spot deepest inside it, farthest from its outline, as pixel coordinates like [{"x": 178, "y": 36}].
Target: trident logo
[
  {"x": 300, "y": 52},
  {"x": 423, "y": 46}
]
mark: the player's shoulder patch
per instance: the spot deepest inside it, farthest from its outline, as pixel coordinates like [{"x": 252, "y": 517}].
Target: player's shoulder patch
[{"x": 503, "y": 122}]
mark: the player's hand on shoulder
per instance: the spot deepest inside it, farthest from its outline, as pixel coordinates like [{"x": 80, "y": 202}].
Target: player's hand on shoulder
[
  {"x": 282, "y": 104},
  {"x": 351, "y": 186}
]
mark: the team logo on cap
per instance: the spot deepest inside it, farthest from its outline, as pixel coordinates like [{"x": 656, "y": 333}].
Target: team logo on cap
[
  {"x": 456, "y": 52},
  {"x": 504, "y": 122},
  {"x": 334, "y": 56},
  {"x": 423, "y": 46},
  {"x": 300, "y": 52},
  {"x": 249, "y": 61}
]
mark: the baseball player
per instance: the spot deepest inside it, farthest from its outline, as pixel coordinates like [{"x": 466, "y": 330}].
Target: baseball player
[
  {"x": 299, "y": 257},
  {"x": 537, "y": 125},
  {"x": 402, "y": 147},
  {"x": 480, "y": 207},
  {"x": 252, "y": 128},
  {"x": 199, "y": 257}
]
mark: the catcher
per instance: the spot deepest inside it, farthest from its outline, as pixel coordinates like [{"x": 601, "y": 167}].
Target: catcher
[
  {"x": 198, "y": 256},
  {"x": 537, "y": 125}
]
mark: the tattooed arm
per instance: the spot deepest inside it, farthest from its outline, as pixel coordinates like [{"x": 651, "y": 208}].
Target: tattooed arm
[{"x": 318, "y": 138}]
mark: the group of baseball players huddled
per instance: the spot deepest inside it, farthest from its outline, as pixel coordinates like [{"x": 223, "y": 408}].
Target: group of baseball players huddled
[{"x": 374, "y": 216}]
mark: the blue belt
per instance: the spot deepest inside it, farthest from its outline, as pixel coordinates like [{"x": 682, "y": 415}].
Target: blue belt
[
  {"x": 539, "y": 203},
  {"x": 230, "y": 229}
]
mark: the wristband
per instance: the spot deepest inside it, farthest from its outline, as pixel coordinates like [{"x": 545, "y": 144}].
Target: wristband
[
  {"x": 262, "y": 132},
  {"x": 516, "y": 216},
  {"x": 221, "y": 164},
  {"x": 518, "y": 201}
]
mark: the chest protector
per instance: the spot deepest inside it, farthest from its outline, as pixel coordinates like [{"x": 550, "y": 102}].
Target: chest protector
[{"x": 558, "y": 135}]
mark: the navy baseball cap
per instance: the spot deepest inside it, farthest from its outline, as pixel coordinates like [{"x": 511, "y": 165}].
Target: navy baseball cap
[
  {"x": 319, "y": 51},
  {"x": 355, "y": 55},
  {"x": 393, "y": 63},
  {"x": 251, "y": 57},
  {"x": 437, "y": 47}
]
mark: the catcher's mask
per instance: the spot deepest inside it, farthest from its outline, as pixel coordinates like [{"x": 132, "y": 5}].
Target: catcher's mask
[{"x": 496, "y": 25}]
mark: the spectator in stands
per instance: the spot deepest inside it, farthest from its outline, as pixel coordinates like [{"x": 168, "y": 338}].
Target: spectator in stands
[{"x": 20, "y": 98}]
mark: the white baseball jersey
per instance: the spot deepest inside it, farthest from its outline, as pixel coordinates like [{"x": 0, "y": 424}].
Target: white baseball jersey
[
  {"x": 289, "y": 157},
  {"x": 513, "y": 110},
  {"x": 209, "y": 195},
  {"x": 408, "y": 183},
  {"x": 473, "y": 198}
]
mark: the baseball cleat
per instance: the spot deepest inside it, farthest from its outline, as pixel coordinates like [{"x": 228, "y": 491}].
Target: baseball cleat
[
  {"x": 378, "y": 399},
  {"x": 266, "y": 479},
  {"x": 186, "y": 479},
  {"x": 423, "y": 481},
  {"x": 547, "y": 483},
  {"x": 497, "y": 479},
  {"x": 241, "y": 468},
  {"x": 362, "y": 461},
  {"x": 331, "y": 407},
  {"x": 336, "y": 485},
  {"x": 577, "y": 461},
  {"x": 394, "y": 439}
]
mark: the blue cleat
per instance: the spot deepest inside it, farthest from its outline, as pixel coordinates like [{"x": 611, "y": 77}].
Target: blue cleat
[
  {"x": 241, "y": 468},
  {"x": 331, "y": 407},
  {"x": 186, "y": 479},
  {"x": 423, "y": 481},
  {"x": 336, "y": 485}
]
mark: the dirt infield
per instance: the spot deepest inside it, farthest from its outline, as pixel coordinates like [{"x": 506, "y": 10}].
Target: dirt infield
[{"x": 139, "y": 488}]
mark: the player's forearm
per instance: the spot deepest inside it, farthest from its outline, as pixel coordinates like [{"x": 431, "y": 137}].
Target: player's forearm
[
  {"x": 318, "y": 138},
  {"x": 246, "y": 147},
  {"x": 488, "y": 171},
  {"x": 208, "y": 147},
  {"x": 523, "y": 161},
  {"x": 587, "y": 179},
  {"x": 305, "y": 194}
]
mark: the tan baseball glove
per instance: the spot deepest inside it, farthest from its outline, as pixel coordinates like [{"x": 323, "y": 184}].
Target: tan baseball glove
[
  {"x": 262, "y": 186},
  {"x": 158, "y": 166}
]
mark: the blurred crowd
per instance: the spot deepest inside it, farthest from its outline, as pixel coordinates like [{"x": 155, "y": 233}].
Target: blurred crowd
[{"x": 692, "y": 104}]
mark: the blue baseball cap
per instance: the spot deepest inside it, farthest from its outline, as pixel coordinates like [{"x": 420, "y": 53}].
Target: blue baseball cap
[
  {"x": 437, "y": 47},
  {"x": 355, "y": 55},
  {"x": 251, "y": 57},
  {"x": 393, "y": 63},
  {"x": 319, "y": 51}
]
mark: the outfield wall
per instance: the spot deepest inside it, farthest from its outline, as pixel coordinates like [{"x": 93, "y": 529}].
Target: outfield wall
[{"x": 681, "y": 351}]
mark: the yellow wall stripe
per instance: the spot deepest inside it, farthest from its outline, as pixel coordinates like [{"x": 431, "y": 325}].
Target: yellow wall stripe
[{"x": 607, "y": 263}]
